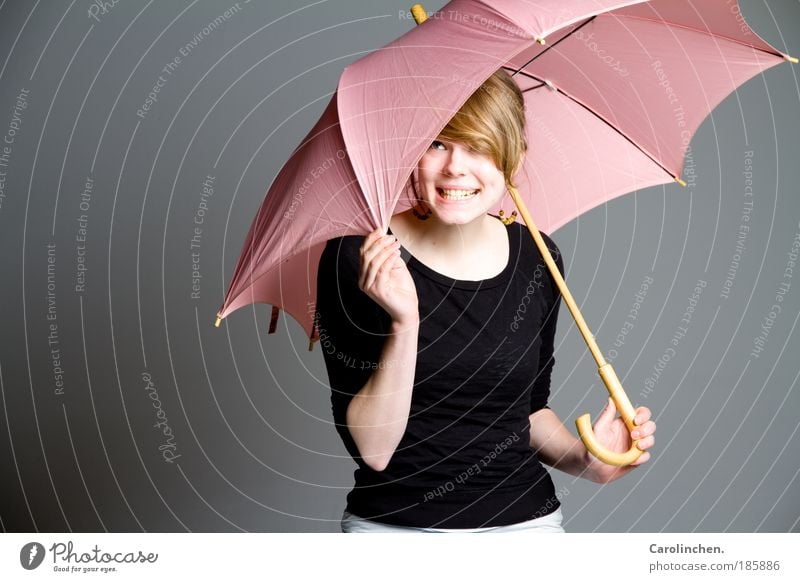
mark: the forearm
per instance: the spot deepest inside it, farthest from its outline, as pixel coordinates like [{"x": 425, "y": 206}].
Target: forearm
[
  {"x": 377, "y": 415},
  {"x": 556, "y": 446}
]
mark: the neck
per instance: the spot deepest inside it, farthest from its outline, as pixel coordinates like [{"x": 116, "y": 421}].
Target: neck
[{"x": 451, "y": 239}]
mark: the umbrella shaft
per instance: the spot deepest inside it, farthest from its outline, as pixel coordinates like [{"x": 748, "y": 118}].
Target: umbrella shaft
[{"x": 562, "y": 286}]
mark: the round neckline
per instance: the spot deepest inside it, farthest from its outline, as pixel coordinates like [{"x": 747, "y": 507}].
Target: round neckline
[{"x": 501, "y": 277}]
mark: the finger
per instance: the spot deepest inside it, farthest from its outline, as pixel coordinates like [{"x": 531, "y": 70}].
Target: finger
[
  {"x": 377, "y": 264},
  {"x": 643, "y": 458},
  {"x": 377, "y": 245},
  {"x": 646, "y": 443},
  {"x": 646, "y": 429},
  {"x": 642, "y": 415},
  {"x": 607, "y": 416},
  {"x": 383, "y": 277},
  {"x": 376, "y": 236},
  {"x": 369, "y": 239},
  {"x": 609, "y": 412},
  {"x": 367, "y": 257},
  {"x": 370, "y": 253}
]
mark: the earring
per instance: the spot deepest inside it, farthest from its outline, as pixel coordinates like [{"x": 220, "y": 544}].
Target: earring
[
  {"x": 416, "y": 212},
  {"x": 507, "y": 219}
]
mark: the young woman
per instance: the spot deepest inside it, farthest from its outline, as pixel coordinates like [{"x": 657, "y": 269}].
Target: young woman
[{"x": 439, "y": 348}]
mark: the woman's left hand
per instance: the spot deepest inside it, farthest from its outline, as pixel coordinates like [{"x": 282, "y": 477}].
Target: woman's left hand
[{"x": 612, "y": 433}]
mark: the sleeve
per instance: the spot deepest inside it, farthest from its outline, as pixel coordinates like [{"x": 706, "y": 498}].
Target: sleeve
[
  {"x": 540, "y": 391},
  {"x": 352, "y": 328}
]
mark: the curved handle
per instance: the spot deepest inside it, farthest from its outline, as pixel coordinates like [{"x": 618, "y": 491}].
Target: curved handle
[
  {"x": 626, "y": 411},
  {"x": 584, "y": 424}
]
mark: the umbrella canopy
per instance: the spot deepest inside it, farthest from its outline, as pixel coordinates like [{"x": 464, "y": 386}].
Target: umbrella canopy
[{"x": 614, "y": 93}]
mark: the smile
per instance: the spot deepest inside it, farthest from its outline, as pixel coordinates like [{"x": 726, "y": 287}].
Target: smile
[{"x": 456, "y": 195}]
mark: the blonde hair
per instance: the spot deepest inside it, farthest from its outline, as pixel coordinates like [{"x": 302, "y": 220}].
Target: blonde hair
[{"x": 492, "y": 122}]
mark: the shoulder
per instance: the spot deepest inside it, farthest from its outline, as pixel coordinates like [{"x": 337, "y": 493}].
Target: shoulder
[
  {"x": 530, "y": 245},
  {"x": 341, "y": 254}
]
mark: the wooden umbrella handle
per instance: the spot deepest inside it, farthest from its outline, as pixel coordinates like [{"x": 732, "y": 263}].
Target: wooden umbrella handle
[
  {"x": 607, "y": 374},
  {"x": 584, "y": 423}
]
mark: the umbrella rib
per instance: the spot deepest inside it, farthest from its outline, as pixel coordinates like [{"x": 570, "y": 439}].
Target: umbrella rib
[
  {"x": 542, "y": 82},
  {"x": 533, "y": 87},
  {"x": 706, "y": 32},
  {"x": 609, "y": 124},
  {"x": 525, "y": 74},
  {"x": 571, "y": 32}
]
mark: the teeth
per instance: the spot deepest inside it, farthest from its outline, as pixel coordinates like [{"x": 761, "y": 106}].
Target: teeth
[{"x": 458, "y": 194}]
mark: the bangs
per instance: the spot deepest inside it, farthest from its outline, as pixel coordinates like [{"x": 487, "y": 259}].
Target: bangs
[{"x": 492, "y": 123}]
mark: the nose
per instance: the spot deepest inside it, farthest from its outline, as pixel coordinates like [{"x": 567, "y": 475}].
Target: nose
[{"x": 456, "y": 161}]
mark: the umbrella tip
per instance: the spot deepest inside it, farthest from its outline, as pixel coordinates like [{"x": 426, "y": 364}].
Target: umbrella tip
[
  {"x": 419, "y": 13},
  {"x": 791, "y": 59},
  {"x": 540, "y": 40},
  {"x": 216, "y": 323},
  {"x": 679, "y": 181}
]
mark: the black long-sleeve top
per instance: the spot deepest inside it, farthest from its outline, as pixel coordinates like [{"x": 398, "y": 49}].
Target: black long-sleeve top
[{"x": 485, "y": 355}]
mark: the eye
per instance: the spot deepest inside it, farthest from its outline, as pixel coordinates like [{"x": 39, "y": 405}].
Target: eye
[{"x": 436, "y": 141}]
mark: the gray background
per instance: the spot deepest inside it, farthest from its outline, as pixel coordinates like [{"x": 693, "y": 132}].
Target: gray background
[{"x": 249, "y": 411}]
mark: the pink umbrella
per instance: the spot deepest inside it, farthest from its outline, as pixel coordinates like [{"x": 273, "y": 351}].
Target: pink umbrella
[{"x": 614, "y": 93}]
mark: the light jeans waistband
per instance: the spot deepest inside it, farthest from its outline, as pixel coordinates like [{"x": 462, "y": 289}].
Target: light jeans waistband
[{"x": 549, "y": 523}]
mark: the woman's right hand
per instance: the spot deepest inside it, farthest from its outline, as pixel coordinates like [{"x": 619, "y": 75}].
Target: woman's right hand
[{"x": 385, "y": 278}]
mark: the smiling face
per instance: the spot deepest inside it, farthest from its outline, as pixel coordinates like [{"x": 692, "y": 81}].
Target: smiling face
[
  {"x": 458, "y": 184},
  {"x": 481, "y": 148}
]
